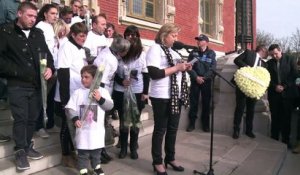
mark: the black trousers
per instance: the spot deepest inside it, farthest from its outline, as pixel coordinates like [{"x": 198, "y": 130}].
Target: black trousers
[
  {"x": 124, "y": 131},
  {"x": 66, "y": 142},
  {"x": 88, "y": 156},
  {"x": 50, "y": 110},
  {"x": 25, "y": 105},
  {"x": 166, "y": 125},
  {"x": 205, "y": 90},
  {"x": 243, "y": 101},
  {"x": 281, "y": 112}
]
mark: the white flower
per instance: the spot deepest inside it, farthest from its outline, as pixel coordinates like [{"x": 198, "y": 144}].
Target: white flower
[
  {"x": 43, "y": 62},
  {"x": 253, "y": 81}
]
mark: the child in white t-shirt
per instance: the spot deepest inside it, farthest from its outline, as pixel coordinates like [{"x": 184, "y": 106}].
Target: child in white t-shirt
[{"x": 88, "y": 118}]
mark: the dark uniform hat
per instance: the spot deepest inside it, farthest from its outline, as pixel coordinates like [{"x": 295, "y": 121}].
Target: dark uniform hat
[{"x": 202, "y": 37}]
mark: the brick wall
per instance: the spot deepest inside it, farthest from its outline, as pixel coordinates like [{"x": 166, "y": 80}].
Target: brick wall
[{"x": 187, "y": 18}]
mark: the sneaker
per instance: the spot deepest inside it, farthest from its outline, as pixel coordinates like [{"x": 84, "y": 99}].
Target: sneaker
[
  {"x": 83, "y": 172},
  {"x": 21, "y": 160},
  {"x": 33, "y": 154},
  {"x": 42, "y": 133},
  {"x": 4, "y": 138},
  {"x": 98, "y": 170},
  {"x": 54, "y": 129}
]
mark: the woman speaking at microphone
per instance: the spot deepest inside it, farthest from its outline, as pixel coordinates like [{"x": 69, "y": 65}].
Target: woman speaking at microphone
[{"x": 168, "y": 91}]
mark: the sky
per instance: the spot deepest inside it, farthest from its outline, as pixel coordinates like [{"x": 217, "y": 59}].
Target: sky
[{"x": 278, "y": 17}]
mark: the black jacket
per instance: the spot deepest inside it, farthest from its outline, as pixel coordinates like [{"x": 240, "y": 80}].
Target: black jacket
[
  {"x": 205, "y": 64},
  {"x": 288, "y": 75},
  {"x": 19, "y": 55},
  {"x": 247, "y": 58}
]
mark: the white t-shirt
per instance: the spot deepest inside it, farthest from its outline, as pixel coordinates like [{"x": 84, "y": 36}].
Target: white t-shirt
[
  {"x": 92, "y": 134},
  {"x": 95, "y": 43},
  {"x": 59, "y": 42},
  {"x": 73, "y": 58},
  {"x": 75, "y": 19},
  {"x": 48, "y": 34},
  {"x": 107, "y": 58},
  {"x": 156, "y": 57},
  {"x": 139, "y": 64}
]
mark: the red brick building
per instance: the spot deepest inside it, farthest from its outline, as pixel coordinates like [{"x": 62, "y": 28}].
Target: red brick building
[{"x": 215, "y": 18}]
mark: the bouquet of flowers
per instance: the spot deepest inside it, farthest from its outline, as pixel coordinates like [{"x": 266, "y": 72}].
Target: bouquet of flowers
[
  {"x": 43, "y": 66},
  {"x": 95, "y": 85},
  {"x": 131, "y": 112},
  {"x": 253, "y": 81}
]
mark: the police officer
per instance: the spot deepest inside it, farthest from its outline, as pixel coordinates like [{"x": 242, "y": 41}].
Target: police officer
[
  {"x": 201, "y": 77},
  {"x": 20, "y": 47}
]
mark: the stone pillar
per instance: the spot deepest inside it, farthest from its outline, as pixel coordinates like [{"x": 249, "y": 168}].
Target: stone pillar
[{"x": 224, "y": 108}]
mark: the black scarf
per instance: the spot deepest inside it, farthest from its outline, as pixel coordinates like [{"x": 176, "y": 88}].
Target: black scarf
[{"x": 175, "y": 106}]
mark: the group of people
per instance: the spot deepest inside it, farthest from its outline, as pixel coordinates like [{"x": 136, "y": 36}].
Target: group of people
[
  {"x": 282, "y": 91},
  {"x": 77, "y": 55}
]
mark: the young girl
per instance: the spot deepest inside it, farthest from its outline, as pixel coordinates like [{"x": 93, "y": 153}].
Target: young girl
[{"x": 88, "y": 118}]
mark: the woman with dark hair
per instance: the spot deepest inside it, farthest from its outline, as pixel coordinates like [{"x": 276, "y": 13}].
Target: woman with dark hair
[
  {"x": 71, "y": 59},
  {"x": 168, "y": 91},
  {"x": 134, "y": 65},
  {"x": 47, "y": 16}
]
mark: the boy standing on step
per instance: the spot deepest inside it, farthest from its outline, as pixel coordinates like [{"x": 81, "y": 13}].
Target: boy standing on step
[{"x": 88, "y": 118}]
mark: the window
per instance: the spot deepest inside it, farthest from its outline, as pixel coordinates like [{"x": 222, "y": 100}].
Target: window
[
  {"x": 211, "y": 19},
  {"x": 147, "y": 14},
  {"x": 208, "y": 14},
  {"x": 142, "y": 9}
]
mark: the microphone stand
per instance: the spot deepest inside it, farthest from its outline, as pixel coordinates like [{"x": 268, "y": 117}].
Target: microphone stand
[{"x": 211, "y": 170}]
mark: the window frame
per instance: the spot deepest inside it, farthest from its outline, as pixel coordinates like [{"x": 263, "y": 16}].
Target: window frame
[{"x": 142, "y": 16}]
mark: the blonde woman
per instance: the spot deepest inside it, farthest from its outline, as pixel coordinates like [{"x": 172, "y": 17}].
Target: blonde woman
[
  {"x": 168, "y": 90},
  {"x": 61, "y": 31}
]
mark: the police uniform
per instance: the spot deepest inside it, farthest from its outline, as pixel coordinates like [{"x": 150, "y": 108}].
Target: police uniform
[{"x": 203, "y": 67}]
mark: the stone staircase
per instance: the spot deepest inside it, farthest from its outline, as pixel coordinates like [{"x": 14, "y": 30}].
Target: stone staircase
[{"x": 49, "y": 147}]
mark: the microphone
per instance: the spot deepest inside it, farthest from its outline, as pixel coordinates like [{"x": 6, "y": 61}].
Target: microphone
[{"x": 177, "y": 45}]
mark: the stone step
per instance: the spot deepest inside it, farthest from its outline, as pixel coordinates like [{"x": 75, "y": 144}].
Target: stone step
[
  {"x": 7, "y": 148},
  {"x": 261, "y": 156},
  {"x": 52, "y": 157}
]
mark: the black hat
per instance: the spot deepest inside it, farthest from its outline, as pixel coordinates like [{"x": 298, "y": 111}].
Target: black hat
[{"x": 202, "y": 37}]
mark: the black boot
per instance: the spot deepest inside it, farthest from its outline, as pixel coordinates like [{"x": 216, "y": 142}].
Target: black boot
[
  {"x": 124, "y": 144},
  {"x": 236, "y": 133},
  {"x": 105, "y": 155},
  {"x": 191, "y": 126},
  {"x": 134, "y": 135}
]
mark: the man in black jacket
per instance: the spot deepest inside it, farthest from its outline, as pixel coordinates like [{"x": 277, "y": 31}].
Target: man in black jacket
[
  {"x": 20, "y": 47},
  {"x": 201, "y": 77},
  {"x": 281, "y": 92},
  {"x": 251, "y": 59}
]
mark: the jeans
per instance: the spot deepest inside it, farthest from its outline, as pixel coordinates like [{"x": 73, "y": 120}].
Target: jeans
[
  {"x": 165, "y": 124},
  {"x": 85, "y": 156},
  {"x": 25, "y": 105}
]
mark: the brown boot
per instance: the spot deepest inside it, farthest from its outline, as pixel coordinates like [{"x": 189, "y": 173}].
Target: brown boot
[{"x": 68, "y": 161}]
